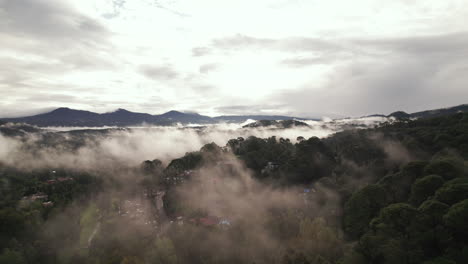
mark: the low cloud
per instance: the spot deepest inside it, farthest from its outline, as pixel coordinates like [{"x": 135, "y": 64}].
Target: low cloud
[
  {"x": 395, "y": 75},
  {"x": 206, "y": 68},
  {"x": 164, "y": 72},
  {"x": 293, "y": 44},
  {"x": 100, "y": 149},
  {"x": 253, "y": 109},
  {"x": 200, "y": 51}
]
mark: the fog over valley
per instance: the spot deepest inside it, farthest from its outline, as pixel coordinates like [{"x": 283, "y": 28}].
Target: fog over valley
[{"x": 233, "y": 132}]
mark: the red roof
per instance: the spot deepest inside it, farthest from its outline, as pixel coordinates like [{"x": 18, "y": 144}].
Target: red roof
[{"x": 208, "y": 221}]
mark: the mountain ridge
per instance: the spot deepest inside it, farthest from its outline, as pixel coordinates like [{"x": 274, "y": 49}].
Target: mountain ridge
[{"x": 64, "y": 116}]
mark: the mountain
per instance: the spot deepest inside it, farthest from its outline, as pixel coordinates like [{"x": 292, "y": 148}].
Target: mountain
[
  {"x": 186, "y": 118},
  {"x": 399, "y": 115},
  {"x": 61, "y": 116},
  {"x": 243, "y": 118},
  {"x": 431, "y": 113},
  {"x": 276, "y": 124},
  {"x": 442, "y": 111},
  {"x": 70, "y": 117}
]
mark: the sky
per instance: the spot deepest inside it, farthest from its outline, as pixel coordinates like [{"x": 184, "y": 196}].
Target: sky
[{"x": 297, "y": 57}]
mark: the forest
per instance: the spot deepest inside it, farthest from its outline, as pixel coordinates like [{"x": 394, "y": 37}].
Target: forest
[{"x": 396, "y": 193}]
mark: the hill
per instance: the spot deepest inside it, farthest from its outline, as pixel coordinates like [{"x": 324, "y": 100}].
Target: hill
[{"x": 71, "y": 117}]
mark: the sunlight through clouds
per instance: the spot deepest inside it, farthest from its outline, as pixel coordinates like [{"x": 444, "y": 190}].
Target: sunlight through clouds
[{"x": 260, "y": 49}]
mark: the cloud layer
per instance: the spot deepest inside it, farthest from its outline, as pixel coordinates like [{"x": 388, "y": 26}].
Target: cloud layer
[{"x": 303, "y": 57}]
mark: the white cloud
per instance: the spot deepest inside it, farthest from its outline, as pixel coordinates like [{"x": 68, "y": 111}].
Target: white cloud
[{"x": 99, "y": 50}]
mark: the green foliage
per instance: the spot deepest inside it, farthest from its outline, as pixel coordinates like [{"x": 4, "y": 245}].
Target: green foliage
[
  {"x": 190, "y": 161},
  {"x": 424, "y": 188},
  {"x": 354, "y": 257},
  {"x": 374, "y": 188},
  {"x": 363, "y": 205},
  {"x": 440, "y": 260},
  {"x": 447, "y": 168},
  {"x": 434, "y": 210},
  {"x": 414, "y": 169},
  {"x": 88, "y": 222},
  {"x": 163, "y": 252},
  {"x": 315, "y": 243},
  {"x": 396, "y": 218},
  {"x": 457, "y": 219},
  {"x": 312, "y": 160},
  {"x": 11, "y": 222},
  {"x": 381, "y": 248},
  {"x": 453, "y": 191},
  {"x": 391, "y": 234},
  {"x": 397, "y": 186},
  {"x": 12, "y": 257}
]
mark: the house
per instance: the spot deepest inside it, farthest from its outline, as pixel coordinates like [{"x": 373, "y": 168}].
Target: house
[
  {"x": 224, "y": 223},
  {"x": 35, "y": 197},
  {"x": 48, "y": 204},
  {"x": 208, "y": 221},
  {"x": 64, "y": 179},
  {"x": 180, "y": 220},
  {"x": 59, "y": 179},
  {"x": 271, "y": 166}
]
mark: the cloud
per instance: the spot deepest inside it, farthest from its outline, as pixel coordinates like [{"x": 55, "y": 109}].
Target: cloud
[
  {"x": 299, "y": 62},
  {"x": 421, "y": 45},
  {"x": 117, "y": 6},
  {"x": 127, "y": 147},
  {"x": 292, "y": 44},
  {"x": 223, "y": 187},
  {"x": 206, "y": 68},
  {"x": 266, "y": 109},
  {"x": 204, "y": 88},
  {"x": 336, "y": 64},
  {"x": 165, "y": 5},
  {"x": 410, "y": 74},
  {"x": 43, "y": 41},
  {"x": 43, "y": 19},
  {"x": 200, "y": 51},
  {"x": 164, "y": 72}
]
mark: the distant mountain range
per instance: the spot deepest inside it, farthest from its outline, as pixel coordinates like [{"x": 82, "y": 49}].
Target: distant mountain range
[
  {"x": 276, "y": 124},
  {"x": 121, "y": 117},
  {"x": 431, "y": 113}
]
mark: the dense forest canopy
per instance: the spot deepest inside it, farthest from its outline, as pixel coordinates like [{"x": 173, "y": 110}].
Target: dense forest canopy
[{"x": 397, "y": 193}]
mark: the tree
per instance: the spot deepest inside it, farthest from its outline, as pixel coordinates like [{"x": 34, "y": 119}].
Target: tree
[
  {"x": 12, "y": 257},
  {"x": 398, "y": 217},
  {"x": 391, "y": 238},
  {"x": 447, "y": 168},
  {"x": 163, "y": 252},
  {"x": 11, "y": 224},
  {"x": 457, "y": 219},
  {"x": 453, "y": 191},
  {"x": 315, "y": 243},
  {"x": 359, "y": 210},
  {"x": 424, "y": 187},
  {"x": 440, "y": 260},
  {"x": 434, "y": 210}
]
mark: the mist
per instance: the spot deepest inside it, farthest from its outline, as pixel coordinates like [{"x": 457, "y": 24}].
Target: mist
[
  {"x": 92, "y": 148},
  {"x": 153, "y": 192},
  {"x": 127, "y": 147}
]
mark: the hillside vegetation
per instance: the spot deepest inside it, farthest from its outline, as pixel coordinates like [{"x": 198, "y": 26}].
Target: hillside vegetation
[{"x": 397, "y": 193}]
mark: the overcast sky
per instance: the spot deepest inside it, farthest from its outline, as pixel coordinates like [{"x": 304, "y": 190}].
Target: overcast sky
[{"x": 297, "y": 57}]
